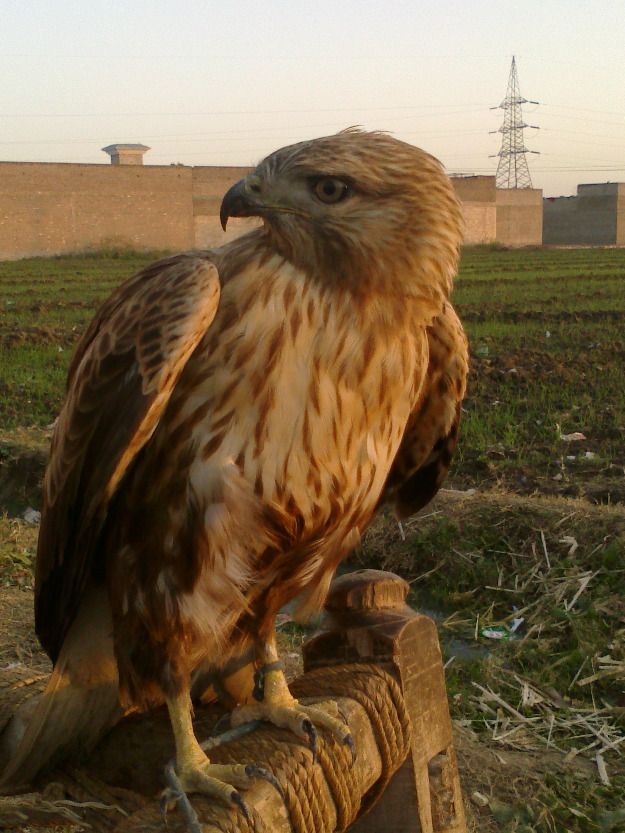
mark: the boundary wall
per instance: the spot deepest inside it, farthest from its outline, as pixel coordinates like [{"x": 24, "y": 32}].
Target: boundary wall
[
  {"x": 478, "y": 197},
  {"x": 51, "y": 208},
  {"x": 519, "y": 216},
  {"x": 56, "y": 208},
  {"x": 595, "y": 217}
]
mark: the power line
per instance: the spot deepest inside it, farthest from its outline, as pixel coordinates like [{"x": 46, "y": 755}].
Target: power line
[
  {"x": 464, "y": 108},
  {"x": 583, "y": 109}
]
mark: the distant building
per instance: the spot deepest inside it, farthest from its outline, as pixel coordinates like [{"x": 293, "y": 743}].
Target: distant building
[
  {"x": 595, "y": 217},
  {"x": 510, "y": 216}
]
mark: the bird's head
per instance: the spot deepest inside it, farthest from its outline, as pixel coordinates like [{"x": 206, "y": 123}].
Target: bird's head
[{"x": 364, "y": 209}]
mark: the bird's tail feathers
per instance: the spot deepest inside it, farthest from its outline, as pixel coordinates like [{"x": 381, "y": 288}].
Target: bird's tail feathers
[{"x": 78, "y": 705}]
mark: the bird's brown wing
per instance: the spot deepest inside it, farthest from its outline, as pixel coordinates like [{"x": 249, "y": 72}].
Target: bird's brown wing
[
  {"x": 120, "y": 380},
  {"x": 431, "y": 435}
]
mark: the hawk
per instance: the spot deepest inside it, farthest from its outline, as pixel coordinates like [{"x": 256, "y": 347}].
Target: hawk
[{"x": 233, "y": 420}]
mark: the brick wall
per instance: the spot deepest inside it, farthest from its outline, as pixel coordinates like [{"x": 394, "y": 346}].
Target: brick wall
[
  {"x": 477, "y": 195},
  {"x": 596, "y": 216},
  {"x": 519, "y": 216},
  {"x": 49, "y": 208},
  {"x": 620, "y": 215}
]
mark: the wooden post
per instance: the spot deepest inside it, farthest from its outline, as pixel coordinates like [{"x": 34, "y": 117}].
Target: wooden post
[{"x": 367, "y": 620}]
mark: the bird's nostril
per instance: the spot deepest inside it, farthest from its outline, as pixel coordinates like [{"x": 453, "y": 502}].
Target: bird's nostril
[{"x": 255, "y": 187}]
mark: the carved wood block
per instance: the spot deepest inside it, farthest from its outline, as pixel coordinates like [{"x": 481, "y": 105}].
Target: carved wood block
[{"x": 367, "y": 619}]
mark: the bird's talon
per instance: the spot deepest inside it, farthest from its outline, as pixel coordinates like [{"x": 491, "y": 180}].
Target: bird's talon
[
  {"x": 163, "y": 807},
  {"x": 173, "y": 796},
  {"x": 253, "y": 771},
  {"x": 237, "y": 799},
  {"x": 310, "y": 730},
  {"x": 172, "y": 793},
  {"x": 348, "y": 741},
  {"x": 167, "y": 802}
]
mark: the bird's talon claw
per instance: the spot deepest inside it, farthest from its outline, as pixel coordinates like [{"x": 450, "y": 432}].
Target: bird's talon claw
[
  {"x": 168, "y": 800},
  {"x": 163, "y": 808},
  {"x": 237, "y": 799},
  {"x": 310, "y": 730},
  {"x": 174, "y": 795},
  {"x": 348, "y": 741},
  {"x": 253, "y": 771}
]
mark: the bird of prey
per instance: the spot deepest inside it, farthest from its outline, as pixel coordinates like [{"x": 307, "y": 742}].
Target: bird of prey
[{"x": 233, "y": 420}]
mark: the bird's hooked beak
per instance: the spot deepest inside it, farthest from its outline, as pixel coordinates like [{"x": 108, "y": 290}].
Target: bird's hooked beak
[{"x": 242, "y": 200}]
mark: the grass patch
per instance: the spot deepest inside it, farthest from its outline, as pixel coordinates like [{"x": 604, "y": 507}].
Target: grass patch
[
  {"x": 546, "y": 332},
  {"x": 18, "y": 545},
  {"x": 553, "y": 693}
]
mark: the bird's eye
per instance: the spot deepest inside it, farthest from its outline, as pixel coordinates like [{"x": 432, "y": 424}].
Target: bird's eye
[{"x": 330, "y": 190}]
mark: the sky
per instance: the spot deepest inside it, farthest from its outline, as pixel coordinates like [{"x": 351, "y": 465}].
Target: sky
[{"x": 225, "y": 83}]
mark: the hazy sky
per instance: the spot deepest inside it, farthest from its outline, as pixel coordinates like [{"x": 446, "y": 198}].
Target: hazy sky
[{"x": 226, "y": 82}]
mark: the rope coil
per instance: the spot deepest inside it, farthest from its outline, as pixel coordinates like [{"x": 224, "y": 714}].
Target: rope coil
[
  {"x": 380, "y": 696},
  {"x": 306, "y": 787}
]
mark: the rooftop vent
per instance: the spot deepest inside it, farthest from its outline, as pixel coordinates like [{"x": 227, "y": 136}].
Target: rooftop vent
[{"x": 126, "y": 154}]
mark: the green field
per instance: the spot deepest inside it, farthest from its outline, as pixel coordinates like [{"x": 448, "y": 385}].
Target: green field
[
  {"x": 542, "y": 537},
  {"x": 547, "y": 333}
]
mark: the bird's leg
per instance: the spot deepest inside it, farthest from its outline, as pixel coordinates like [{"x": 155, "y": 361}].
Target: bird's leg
[
  {"x": 276, "y": 704},
  {"x": 194, "y": 773}
]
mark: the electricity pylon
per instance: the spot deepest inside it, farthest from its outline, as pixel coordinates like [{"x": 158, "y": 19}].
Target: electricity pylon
[{"x": 512, "y": 169}]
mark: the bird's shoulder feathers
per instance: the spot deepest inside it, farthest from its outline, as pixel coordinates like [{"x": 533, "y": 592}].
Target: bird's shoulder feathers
[{"x": 121, "y": 378}]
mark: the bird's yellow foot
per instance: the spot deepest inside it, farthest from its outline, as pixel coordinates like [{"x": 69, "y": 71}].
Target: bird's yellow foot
[
  {"x": 277, "y": 706},
  {"x": 218, "y": 781}
]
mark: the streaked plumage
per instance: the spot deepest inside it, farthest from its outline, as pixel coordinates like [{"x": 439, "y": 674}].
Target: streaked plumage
[{"x": 235, "y": 417}]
